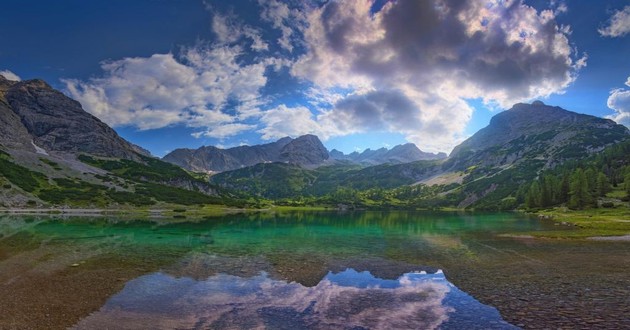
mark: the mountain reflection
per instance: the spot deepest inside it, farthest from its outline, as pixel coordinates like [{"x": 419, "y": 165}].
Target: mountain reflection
[{"x": 343, "y": 300}]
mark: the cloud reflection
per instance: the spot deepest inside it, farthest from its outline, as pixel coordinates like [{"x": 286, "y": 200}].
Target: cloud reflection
[{"x": 345, "y": 300}]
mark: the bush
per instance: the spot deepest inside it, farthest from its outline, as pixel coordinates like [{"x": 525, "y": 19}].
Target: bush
[{"x": 20, "y": 176}]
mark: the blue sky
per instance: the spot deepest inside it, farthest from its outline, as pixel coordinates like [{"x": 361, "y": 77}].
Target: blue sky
[{"x": 170, "y": 73}]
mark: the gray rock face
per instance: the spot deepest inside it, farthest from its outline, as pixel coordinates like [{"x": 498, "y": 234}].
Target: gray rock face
[
  {"x": 56, "y": 122},
  {"x": 400, "y": 154},
  {"x": 13, "y": 134},
  {"x": 304, "y": 151}
]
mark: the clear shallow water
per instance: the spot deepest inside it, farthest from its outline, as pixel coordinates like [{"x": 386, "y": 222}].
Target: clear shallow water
[{"x": 303, "y": 270}]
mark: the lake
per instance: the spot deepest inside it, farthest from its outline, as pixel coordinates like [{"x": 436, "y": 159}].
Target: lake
[{"x": 307, "y": 270}]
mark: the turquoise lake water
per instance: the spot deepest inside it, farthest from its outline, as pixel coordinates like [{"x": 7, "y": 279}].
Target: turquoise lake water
[{"x": 296, "y": 270}]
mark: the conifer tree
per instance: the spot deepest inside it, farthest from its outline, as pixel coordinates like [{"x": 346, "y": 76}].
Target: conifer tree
[
  {"x": 603, "y": 184},
  {"x": 579, "y": 190},
  {"x": 532, "y": 200}
]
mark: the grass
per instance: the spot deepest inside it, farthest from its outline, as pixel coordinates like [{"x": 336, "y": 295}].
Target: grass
[{"x": 588, "y": 223}]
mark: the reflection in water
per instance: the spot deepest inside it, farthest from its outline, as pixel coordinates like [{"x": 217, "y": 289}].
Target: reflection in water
[{"x": 344, "y": 300}]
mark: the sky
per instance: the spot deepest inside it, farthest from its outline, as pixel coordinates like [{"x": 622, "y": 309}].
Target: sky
[{"x": 359, "y": 74}]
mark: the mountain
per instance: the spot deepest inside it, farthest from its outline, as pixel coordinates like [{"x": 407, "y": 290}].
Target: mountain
[
  {"x": 517, "y": 145},
  {"x": 37, "y": 117},
  {"x": 404, "y": 153},
  {"x": 536, "y": 132},
  {"x": 306, "y": 150},
  {"x": 487, "y": 171},
  {"x": 52, "y": 152}
]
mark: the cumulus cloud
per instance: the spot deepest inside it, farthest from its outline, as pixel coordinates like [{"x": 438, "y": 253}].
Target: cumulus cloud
[
  {"x": 619, "y": 101},
  {"x": 161, "y": 90},
  {"x": 436, "y": 54},
  {"x": 377, "y": 110},
  {"x": 408, "y": 67},
  {"x": 284, "y": 121},
  {"x": 618, "y": 25},
  {"x": 10, "y": 75}
]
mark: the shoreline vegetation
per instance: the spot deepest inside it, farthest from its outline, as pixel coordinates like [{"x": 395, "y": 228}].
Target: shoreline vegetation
[{"x": 593, "y": 224}]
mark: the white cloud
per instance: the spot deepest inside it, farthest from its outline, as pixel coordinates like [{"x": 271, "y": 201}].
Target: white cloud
[
  {"x": 618, "y": 25},
  {"x": 619, "y": 101},
  {"x": 160, "y": 90},
  {"x": 286, "y": 121},
  {"x": 408, "y": 68},
  {"x": 433, "y": 55},
  {"x": 286, "y": 20},
  {"x": 10, "y": 75}
]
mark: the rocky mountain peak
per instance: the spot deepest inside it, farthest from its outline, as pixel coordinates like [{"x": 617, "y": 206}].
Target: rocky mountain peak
[
  {"x": 55, "y": 122},
  {"x": 537, "y": 130},
  {"x": 404, "y": 153},
  {"x": 306, "y": 150}
]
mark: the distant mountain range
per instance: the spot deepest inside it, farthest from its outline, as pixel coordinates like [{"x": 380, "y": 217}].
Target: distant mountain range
[
  {"x": 52, "y": 152},
  {"x": 306, "y": 151},
  {"x": 404, "y": 153}
]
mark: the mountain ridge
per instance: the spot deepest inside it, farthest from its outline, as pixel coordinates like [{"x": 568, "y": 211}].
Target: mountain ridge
[
  {"x": 487, "y": 170},
  {"x": 402, "y": 153},
  {"x": 52, "y": 152},
  {"x": 52, "y": 121},
  {"x": 306, "y": 151}
]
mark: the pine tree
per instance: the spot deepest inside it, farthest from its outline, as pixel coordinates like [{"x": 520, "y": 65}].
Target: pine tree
[
  {"x": 532, "y": 200},
  {"x": 591, "y": 181},
  {"x": 603, "y": 184},
  {"x": 546, "y": 191},
  {"x": 579, "y": 190},
  {"x": 563, "y": 193}
]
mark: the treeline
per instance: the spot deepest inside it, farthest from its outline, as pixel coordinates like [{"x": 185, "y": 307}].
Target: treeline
[{"x": 579, "y": 184}]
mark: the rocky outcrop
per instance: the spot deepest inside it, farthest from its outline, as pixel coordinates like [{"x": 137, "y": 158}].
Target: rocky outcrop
[
  {"x": 304, "y": 151},
  {"x": 55, "y": 122},
  {"x": 400, "y": 154},
  {"x": 13, "y": 134}
]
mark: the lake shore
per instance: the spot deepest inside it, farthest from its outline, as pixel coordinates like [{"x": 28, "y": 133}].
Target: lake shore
[{"x": 592, "y": 224}]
